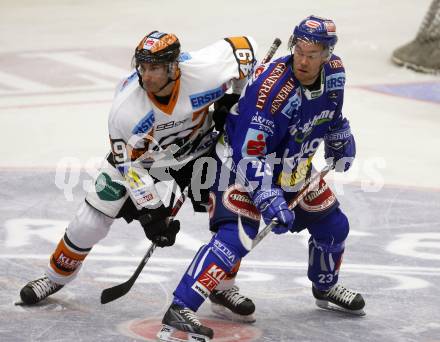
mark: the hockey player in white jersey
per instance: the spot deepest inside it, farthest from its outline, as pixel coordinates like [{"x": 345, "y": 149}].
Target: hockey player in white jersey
[{"x": 160, "y": 115}]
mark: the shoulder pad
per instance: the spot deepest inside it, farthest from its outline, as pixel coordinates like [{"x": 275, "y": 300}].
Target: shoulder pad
[
  {"x": 334, "y": 74},
  {"x": 125, "y": 82},
  {"x": 335, "y": 64},
  {"x": 184, "y": 56}
]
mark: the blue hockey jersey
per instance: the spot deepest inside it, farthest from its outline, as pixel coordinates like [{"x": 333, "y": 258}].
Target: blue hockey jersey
[{"x": 278, "y": 118}]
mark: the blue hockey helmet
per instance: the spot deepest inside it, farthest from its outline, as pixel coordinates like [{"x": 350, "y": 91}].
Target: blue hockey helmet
[{"x": 315, "y": 30}]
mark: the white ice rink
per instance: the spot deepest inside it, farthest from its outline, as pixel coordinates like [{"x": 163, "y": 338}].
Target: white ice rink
[{"x": 59, "y": 63}]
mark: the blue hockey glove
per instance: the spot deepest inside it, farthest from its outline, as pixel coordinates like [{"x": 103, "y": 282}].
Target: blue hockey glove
[
  {"x": 340, "y": 147},
  {"x": 271, "y": 204}
]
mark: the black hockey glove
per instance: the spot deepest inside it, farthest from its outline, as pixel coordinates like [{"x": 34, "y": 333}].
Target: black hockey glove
[
  {"x": 158, "y": 228},
  {"x": 222, "y": 108}
]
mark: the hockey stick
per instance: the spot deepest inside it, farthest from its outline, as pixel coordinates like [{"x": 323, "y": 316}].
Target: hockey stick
[
  {"x": 115, "y": 292},
  {"x": 273, "y": 48},
  {"x": 312, "y": 182}
]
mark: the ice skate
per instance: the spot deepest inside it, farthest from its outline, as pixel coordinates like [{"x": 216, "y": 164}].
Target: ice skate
[
  {"x": 339, "y": 298},
  {"x": 179, "y": 319},
  {"x": 37, "y": 290},
  {"x": 232, "y": 305}
]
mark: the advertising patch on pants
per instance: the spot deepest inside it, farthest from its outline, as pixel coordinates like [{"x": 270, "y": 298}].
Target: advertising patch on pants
[
  {"x": 208, "y": 280},
  {"x": 319, "y": 200}
]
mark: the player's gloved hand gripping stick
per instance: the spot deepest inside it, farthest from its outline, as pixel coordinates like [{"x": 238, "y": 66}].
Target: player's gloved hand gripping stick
[
  {"x": 312, "y": 182},
  {"x": 120, "y": 290}
]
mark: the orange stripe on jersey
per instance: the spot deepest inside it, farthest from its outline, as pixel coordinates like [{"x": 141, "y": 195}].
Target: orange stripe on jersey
[
  {"x": 239, "y": 42},
  {"x": 195, "y": 116},
  {"x": 169, "y": 107},
  {"x": 64, "y": 260},
  {"x": 134, "y": 153},
  {"x": 244, "y": 54}
]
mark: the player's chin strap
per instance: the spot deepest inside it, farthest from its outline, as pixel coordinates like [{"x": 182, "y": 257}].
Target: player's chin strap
[
  {"x": 170, "y": 80},
  {"x": 311, "y": 183}
]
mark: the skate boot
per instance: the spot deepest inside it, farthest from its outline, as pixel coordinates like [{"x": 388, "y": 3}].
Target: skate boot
[
  {"x": 232, "y": 305},
  {"x": 39, "y": 289},
  {"x": 180, "y": 319},
  {"x": 339, "y": 298}
]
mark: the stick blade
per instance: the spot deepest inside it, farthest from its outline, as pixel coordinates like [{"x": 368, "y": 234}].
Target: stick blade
[{"x": 115, "y": 292}]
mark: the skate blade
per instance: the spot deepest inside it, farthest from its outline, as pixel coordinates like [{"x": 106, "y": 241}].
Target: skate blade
[
  {"x": 228, "y": 314},
  {"x": 326, "y": 305},
  {"x": 170, "y": 334}
]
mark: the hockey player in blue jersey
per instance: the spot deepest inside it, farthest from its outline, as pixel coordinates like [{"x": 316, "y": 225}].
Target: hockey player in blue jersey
[{"x": 287, "y": 109}]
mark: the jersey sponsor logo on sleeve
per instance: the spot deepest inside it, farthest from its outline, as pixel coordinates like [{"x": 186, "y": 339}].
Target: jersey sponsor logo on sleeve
[
  {"x": 128, "y": 81},
  {"x": 336, "y": 64},
  {"x": 202, "y": 99},
  {"x": 237, "y": 200},
  {"x": 184, "y": 56},
  {"x": 282, "y": 95},
  {"x": 145, "y": 124},
  {"x": 335, "y": 81},
  {"x": 268, "y": 83},
  {"x": 254, "y": 143}
]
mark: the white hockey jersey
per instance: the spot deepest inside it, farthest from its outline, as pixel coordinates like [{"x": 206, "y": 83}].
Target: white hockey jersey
[{"x": 141, "y": 126}]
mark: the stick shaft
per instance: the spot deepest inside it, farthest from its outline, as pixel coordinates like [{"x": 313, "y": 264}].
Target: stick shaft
[
  {"x": 115, "y": 292},
  {"x": 313, "y": 181},
  {"x": 273, "y": 48}
]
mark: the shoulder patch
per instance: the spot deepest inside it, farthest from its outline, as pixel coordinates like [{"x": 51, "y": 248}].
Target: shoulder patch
[
  {"x": 127, "y": 81},
  {"x": 335, "y": 81},
  {"x": 184, "y": 56},
  {"x": 336, "y": 64}
]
